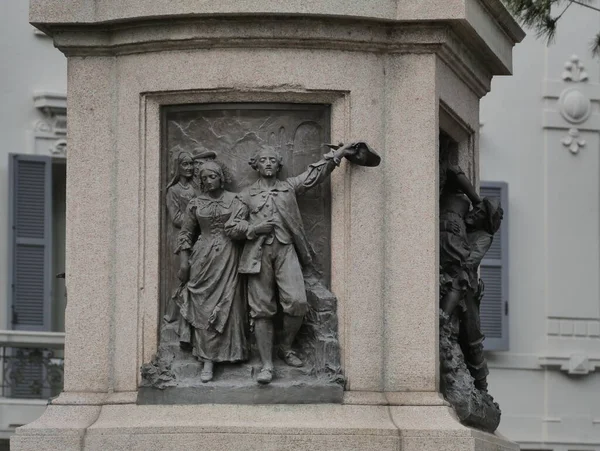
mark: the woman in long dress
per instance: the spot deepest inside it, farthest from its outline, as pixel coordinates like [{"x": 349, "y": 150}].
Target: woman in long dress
[
  {"x": 179, "y": 192},
  {"x": 211, "y": 300}
]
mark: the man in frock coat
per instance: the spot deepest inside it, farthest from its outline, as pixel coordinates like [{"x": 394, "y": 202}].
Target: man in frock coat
[{"x": 276, "y": 248}]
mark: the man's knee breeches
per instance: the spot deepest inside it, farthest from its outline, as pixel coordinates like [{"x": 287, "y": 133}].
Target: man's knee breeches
[{"x": 280, "y": 276}]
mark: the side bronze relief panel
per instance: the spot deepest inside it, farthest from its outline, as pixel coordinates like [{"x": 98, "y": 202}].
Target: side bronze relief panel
[
  {"x": 468, "y": 223},
  {"x": 247, "y": 314}
]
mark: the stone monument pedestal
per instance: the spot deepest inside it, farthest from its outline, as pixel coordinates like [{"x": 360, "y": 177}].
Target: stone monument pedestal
[
  {"x": 393, "y": 73},
  {"x": 318, "y": 427}
]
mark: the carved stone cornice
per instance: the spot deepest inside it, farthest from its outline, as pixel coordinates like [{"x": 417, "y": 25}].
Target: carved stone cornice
[
  {"x": 472, "y": 62},
  {"x": 572, "y": 345},
  {"x": 579, "y": 364},
  {"x": 48, "y": 13},
  {"x": 51, "y": 103},
  {"x": 50, "y": 133}
]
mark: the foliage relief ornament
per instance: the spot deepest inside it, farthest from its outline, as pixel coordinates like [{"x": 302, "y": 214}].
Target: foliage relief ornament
[
  {"x": 575, "y": 70},
  {"x": 573, "y": 141},
  {"x": 59, "y": 148},
  {"x": 574, "y": 106}
]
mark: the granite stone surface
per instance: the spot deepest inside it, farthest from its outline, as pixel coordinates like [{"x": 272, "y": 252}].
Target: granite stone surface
[{"x": 387, "y": 82}]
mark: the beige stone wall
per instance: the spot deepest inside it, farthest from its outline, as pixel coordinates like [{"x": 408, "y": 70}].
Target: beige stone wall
[
  {"x": 374, "y": 334},
  {"x": 384, "y": 236},
  {"x": 90, "y": 219}
]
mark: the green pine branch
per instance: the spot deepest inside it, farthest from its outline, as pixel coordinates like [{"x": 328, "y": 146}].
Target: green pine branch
[{"x": 543, "y": 15}]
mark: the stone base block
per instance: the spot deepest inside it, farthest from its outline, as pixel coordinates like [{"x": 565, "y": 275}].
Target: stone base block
[
  {"x": 277, "y": 392},
  {"x": 322, "y": 427}
]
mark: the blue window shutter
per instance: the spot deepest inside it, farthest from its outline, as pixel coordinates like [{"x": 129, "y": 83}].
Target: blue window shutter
[
  {"x": 31, "y": 240},
  {"x": 494, "y": 273}
]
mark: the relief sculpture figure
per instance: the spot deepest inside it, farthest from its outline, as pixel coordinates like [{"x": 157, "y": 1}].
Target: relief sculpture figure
[
  {"x": 456, "y": 196},
  {"x": 210, "y": 298},
  {"x": 467, "y": 226},
  {"x": 179, "y": 192},
  {"x": 245, "y": 262},
  {"x": 200, "y": 157},
  {"x": 276, "y": 249},
  {"x": 482, "y": 222}
]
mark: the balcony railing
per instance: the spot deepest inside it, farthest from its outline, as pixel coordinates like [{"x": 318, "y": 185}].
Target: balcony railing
[{"x": 32, "y": 364}]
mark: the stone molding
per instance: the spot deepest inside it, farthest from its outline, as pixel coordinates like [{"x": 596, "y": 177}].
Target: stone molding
[
  {"x": 572, "y": 345},
  {"x": 474, "y": 62},
  {"x": 50, "y": 12},
  {"x": 566, "y": 334},
  {"x": 319, "y": 427},
  {"x": 579, "y": 364},
  {"x": 574, "y": 327},
  {"x": 26, "y": 339},
  {"x": 504, "y": 19},
  {"x": 50, "y": 133},
  {"x": 52, "y": 103},
  {"x": 572, "y": 363},
  {"x": 39, "y": 33}
]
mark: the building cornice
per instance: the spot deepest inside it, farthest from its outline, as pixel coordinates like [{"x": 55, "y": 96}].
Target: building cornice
[
  {"x": 482, "y": 25},
  {"x": 505, "y": 20},
  {"x": 52, "y": 103},
  {"x": 469, "y": 62},
  {"x": 46, "y": 13}
]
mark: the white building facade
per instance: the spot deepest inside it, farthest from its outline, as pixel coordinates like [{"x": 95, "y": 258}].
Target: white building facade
[
  {"x": 539, "y": 146},
  {"x": 540, "y": 135},
  {"x": 32, "y": 173}
]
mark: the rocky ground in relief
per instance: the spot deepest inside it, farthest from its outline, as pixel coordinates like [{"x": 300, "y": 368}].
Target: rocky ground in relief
[{"x": 473, "y": 407}]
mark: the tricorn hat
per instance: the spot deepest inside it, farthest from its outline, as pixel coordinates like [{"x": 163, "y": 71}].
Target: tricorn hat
[
  {"x": 364, "y": 155},
  {"x": 205, "y": 154},
  {"x": 487, "y": 215}
]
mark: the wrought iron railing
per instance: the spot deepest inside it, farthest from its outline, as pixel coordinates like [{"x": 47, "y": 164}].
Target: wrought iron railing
[{"x": 32, "y": 364}]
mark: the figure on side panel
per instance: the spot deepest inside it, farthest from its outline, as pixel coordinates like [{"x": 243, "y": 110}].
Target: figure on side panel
[
  {"x": 467, "y": 227},
  {"x": 179, "y": 192}
]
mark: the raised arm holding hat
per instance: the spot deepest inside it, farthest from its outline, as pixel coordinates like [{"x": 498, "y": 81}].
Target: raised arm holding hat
[{"x": 276, "y": 248}]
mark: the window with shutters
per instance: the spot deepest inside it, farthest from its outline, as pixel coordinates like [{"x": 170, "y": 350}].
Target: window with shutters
[
  {"x": 36, "y": 297},
  {"x": 37, "y": 219},
  {"x": 31, "y": 228},
  {"x": 494, "y": 273}
]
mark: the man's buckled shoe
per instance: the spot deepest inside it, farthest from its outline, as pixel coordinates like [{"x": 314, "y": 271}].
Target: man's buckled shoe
[
  {"x": 265, "y": 376},
  {"x": 290, "y": 358}
]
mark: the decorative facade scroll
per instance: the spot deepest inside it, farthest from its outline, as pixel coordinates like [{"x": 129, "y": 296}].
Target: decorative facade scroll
[
  {"x": 50, "y": 132},
  {"x": 572, "y": 107}
]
